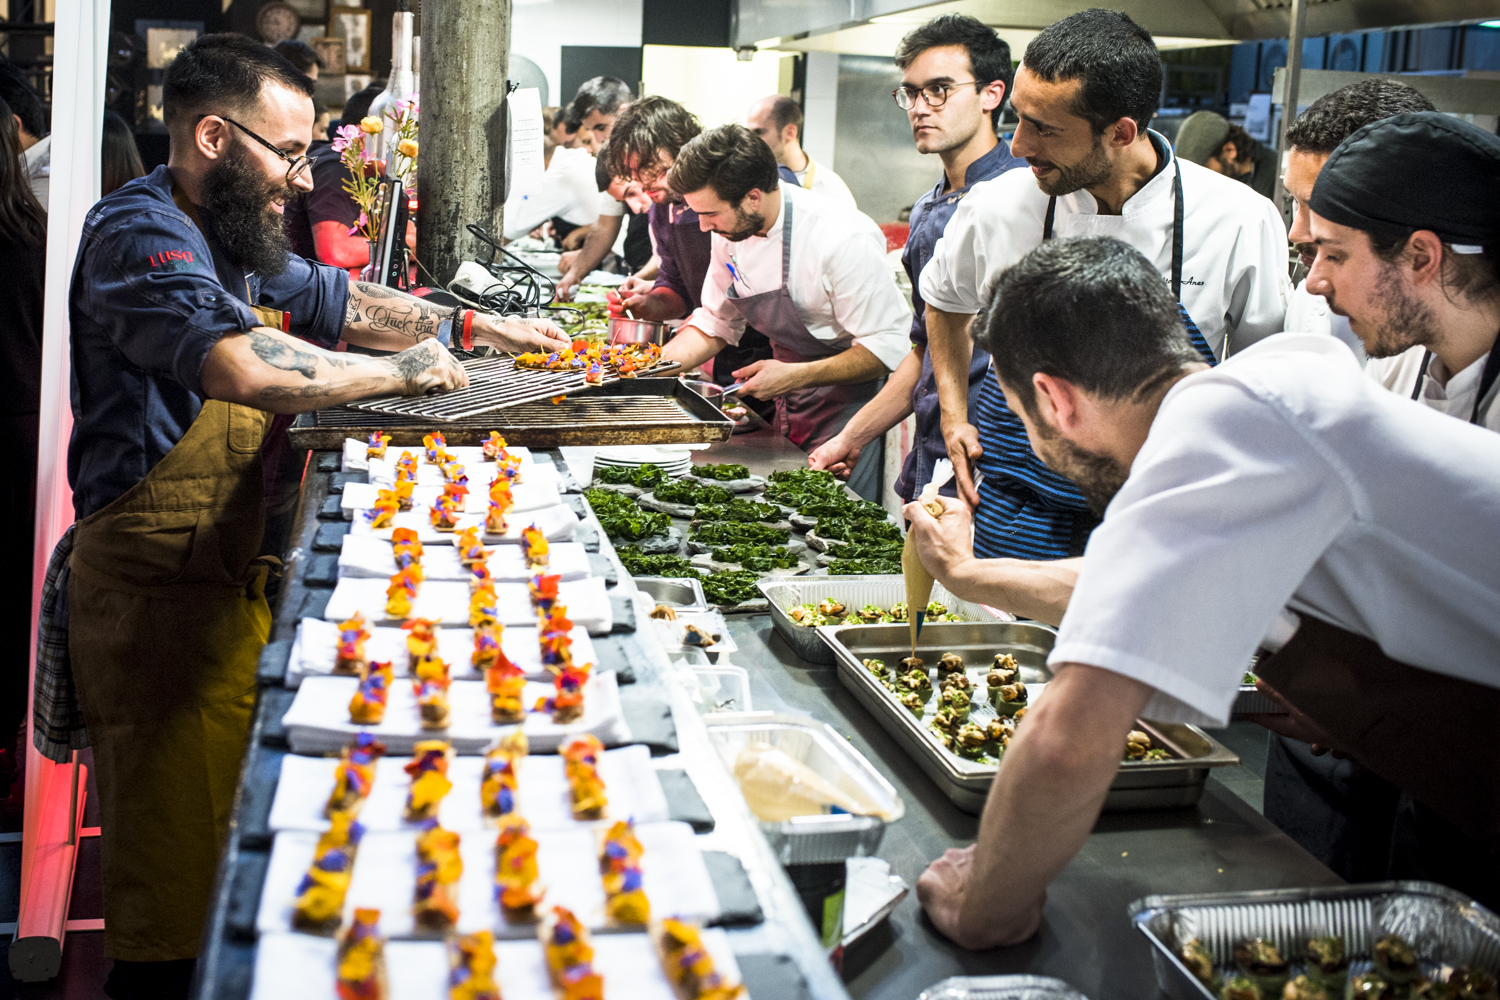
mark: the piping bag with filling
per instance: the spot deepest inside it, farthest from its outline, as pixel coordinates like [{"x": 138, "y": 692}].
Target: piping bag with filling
[{"x": 918, "y": 580}]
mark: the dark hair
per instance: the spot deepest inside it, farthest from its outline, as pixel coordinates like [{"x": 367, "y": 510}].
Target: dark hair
[
  {"x": 224, "y": 74},
  {"x": 1334, "y": 117},
  {"x": 299, "y": 54},
  {"x": 650, "y": 126},
  {"x": 1113, "y": 56},
  {"x": 1475, "y": 276},
  {"x": 22, "y": 98},
  {"x": 22, "y": 217},
  {"x": 731, "y": 159},
  {"x": 603, "y": 94},
  {"x": 358, "y": 106},
  {"x": 120, "y": 160},
  {"x": 784, "y": 112},
  {"x": 1244, "y": 143},
  {"x": 1091, "y": 310},
  {"x": 559, "y": 116},
  {"x": 989, "y": 54}
]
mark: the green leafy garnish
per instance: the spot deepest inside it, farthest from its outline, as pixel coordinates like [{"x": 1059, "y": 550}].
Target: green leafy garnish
[
  {"x": 737, "y": 532},
  {"x": 737, "y": 510},
  {"x": 846, "y": 529},
  {"x": 638, "y": 563},
  {"x": 796, "y": 487},
  {"x": 760, "y": 558},
  {"x": 864, "y": 567},
  {"x": 733, "y": 587},
  {"x": 840, "y": 506},
  {"x": 622, "y": 517},
  {"x": 872, "y": 550},
  {"x": 644, "y": 476},
  {"x": 689, "y": 493},
  {"x": 723, "y": 473}
]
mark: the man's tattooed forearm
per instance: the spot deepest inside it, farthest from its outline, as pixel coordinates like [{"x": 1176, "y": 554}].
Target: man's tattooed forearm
[
  {"x": 386, "y": 310},
  {"x": 352, "y": 389},
  {"x": 280, "y": 354}
]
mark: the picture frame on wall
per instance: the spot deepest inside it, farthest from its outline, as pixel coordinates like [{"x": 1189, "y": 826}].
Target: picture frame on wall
[
  {"x": 352, "y": 24},
  {"x": 333, "y": 52}
]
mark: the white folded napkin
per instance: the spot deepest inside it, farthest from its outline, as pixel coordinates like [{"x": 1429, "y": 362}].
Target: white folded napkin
[
  {"x": 448, "y": 601},
  {"x": 365, "y": 556},
  {"x": 318, "y": 721},
  {"x": 315, "y": 649},
  {"x": 558, "y": 523},
  {"x": 673, "y": 875},
  {"x": 542, "y": 793},
  {"x": 527, "y": 496},
  {"x": 481, "y": 474}
]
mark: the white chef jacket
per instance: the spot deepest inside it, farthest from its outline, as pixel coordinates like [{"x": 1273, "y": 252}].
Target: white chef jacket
[
  {"x": 1285, "y": 477},
  {"x": 1234, "y": 262},
  {"x": 841, "y": 282},
  {"x": 826, "y": 183},
  {"x": 37, "y": 162},
  {"x": 1452, "y": 396},
  {"x": 1309, "y": 313},
  {"x": 567, "y": 191}
]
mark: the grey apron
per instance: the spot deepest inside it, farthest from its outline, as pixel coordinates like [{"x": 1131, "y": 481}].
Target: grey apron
[{"x": 809, "y": 417}]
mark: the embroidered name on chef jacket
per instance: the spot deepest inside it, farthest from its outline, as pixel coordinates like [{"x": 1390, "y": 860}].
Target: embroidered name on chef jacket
[{"x": 172, "y": 260}]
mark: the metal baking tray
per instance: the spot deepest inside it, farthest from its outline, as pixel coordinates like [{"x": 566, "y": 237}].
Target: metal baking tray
[
  {"x": 1001, "y": 988},
  {"x": 1140, "y": 784},
  {"x": 682, "y": 593},
  {"x": 1445, "y": 927},
  {"x": 784, "y": 593},
  {"x": 495, "y": 382},
  {"x": 814, "y": 839},
  {"x": 630, "y": 411}
]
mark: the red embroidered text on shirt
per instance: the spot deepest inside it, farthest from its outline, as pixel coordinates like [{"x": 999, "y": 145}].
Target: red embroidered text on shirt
[{"x": 161, "y": 258}]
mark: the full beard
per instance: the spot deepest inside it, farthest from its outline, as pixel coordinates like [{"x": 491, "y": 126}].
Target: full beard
[
  {"x": 746, "y": 225},
  {"x": 239, "y": 198},
  {"x": 1098, "y": 477},
  {"x": 1093, "y": 169},
  {"x": 1406, "y": 322}
]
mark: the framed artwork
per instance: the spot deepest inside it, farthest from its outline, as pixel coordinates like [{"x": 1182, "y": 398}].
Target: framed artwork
[
  {"x": 332, "y": 51},
  {"x": 352, "y": 24},
  {"x": 354, "y": 83},
  {"x": 163, "y": 44},
  {"x": 308, "y": 32}
]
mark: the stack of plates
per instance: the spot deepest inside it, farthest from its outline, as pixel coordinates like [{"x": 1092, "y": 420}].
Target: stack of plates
[{"x": 675, "y": 461}]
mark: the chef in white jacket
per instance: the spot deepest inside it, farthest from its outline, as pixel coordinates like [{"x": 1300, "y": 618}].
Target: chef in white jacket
[{"x": 1315, "y": 134}]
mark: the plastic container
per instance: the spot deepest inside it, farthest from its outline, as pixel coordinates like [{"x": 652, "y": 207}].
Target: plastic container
[
  {"x": 814, "y": 839},
  {"x": 721, "y": 688},
  {"x": 1444, "y": 927},
  {"x": 1001, "y": 988}
]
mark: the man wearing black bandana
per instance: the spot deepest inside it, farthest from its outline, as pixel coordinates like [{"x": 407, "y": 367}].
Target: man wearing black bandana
[{"x": 191, "y": 325}]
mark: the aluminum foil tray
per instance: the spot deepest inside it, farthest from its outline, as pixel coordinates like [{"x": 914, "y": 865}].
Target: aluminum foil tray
[
  {"x": 855, "y": 591},
  {"x": 1443, "y": 926},
  {"x": 1001, "y": 988},
  {"x": 814, "y": 839},
  {"x": 1140, "y": 784}
]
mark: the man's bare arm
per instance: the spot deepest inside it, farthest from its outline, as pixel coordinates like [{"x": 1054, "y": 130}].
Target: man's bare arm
[
  {"x": 1044, "y": 801},
  {"x": 388, "y": 319},
  {"x": 595, "y": 249},
  {"x": 952, "y": 350},
  {"x": 691, "y": 347},
  {"x": 270, "y": 370}
]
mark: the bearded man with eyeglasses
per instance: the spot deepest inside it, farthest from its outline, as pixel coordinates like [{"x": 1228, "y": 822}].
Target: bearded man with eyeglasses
[{"x": 192, "y": 324}]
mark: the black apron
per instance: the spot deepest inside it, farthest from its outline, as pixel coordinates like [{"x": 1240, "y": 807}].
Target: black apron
[
  {"x": 809, "y": 417},
  {"x": 1486, "y": 381}
]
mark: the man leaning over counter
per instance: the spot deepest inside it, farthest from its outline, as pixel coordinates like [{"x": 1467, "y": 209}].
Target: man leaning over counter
[
  {"x": 809, "y": 274},
  {"x": 192, "y": 322},
  {"x": 1086, "y": 87},
  {"x": 1280, "y": 479},
  {"x": 955, "y": 75}
]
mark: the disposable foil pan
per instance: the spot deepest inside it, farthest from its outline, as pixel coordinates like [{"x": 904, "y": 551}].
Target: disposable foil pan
[
  {"x": 1001, "y": 988},
  {"x": 855, "y": 591},
  {"x": 1446, "y": 928},
  {"x": 682, "y": 593},
  {"x": 1140, "y": 784},
  {"x": 814, "y": 839}
]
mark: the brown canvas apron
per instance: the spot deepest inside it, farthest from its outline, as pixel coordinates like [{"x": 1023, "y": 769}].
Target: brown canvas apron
[{"x": 1427, "y": 733}]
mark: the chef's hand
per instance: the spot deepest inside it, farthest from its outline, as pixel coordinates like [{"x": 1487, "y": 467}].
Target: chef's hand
[
  {"x": 631, "y": 295},
  {"x": 837, "y": 455},
  {"x": 574, "y": 240},
  {"x": 569, "y": 281},
  {"x": 943, "y": 543},
  {"x": 962, "y": 441},
  {"x": 1295, "y": 725},
  {"x": 517, "y": 335},
  {"x": 427, "y": 367},
  {"x": 768, "y": 379}
]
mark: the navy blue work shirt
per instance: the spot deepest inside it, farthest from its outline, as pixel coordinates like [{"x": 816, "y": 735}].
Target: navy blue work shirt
[
  {"x": 150, "y": 298},
  {"x": 929, "y": 217}
]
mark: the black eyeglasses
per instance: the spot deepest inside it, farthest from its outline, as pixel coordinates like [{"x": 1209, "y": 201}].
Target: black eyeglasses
[
  {"x": 296, "y": 165},
  {"x": 935, "y": 94}
]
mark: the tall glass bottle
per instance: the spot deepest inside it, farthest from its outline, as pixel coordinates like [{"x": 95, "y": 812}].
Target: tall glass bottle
[{"x": 400, "y": 89}]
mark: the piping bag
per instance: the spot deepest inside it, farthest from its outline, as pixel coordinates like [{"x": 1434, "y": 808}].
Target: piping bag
[{"x": 918, "y": 580}]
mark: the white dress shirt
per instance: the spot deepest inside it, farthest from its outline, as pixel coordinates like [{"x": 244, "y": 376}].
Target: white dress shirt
[
  {"x": 1452, "y": 396},
  {"x": 37, "y": 162},
  {"x": 567, "y": 191},
  {"x": 826, "y": 183},
  {"x": 1309, "y": 313},
  {"x": 1285, "y": 477},
  {"x": 841, "y": 282},
  {"x": 1234, "y": 266}
]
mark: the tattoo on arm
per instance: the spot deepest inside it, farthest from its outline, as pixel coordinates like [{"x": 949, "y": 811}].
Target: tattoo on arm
[
  {"x": 411, "y": 365},
  {"x": 386, "y": 310},
  {"x": 279, "y": 354},
  {"x": 353, "y": 389}
]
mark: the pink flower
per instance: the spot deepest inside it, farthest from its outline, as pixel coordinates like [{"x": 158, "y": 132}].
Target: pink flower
[{"x": 361, "y": 222}]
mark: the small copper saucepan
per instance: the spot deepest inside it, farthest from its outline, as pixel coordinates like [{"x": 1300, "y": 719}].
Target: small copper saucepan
[{"x": 624, "y": 330}]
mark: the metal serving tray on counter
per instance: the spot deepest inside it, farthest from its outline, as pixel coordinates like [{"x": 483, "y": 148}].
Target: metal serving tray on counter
[
  {"x": 1001, "y": 988},
  {"x": 1140, "y": 784},
  {"x": 682, "y": 593},
  {"x": 784, "y": 593},
  {"x": 629, "y": 411},
  {"x": 1444, "y": 927}
]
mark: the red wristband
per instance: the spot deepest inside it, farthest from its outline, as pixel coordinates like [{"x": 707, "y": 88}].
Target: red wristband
[{"x": 468, "y": 337}]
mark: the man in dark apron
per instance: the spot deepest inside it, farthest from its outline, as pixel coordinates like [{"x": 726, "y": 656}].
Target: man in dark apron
[
  {"x": 1280, "y": 478},
  {"x": 191, "y": 324},
  {"x": 810, "y": 275}
]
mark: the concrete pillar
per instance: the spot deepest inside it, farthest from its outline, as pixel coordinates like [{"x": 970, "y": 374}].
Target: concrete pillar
[{"x": 461, "y": 177}]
